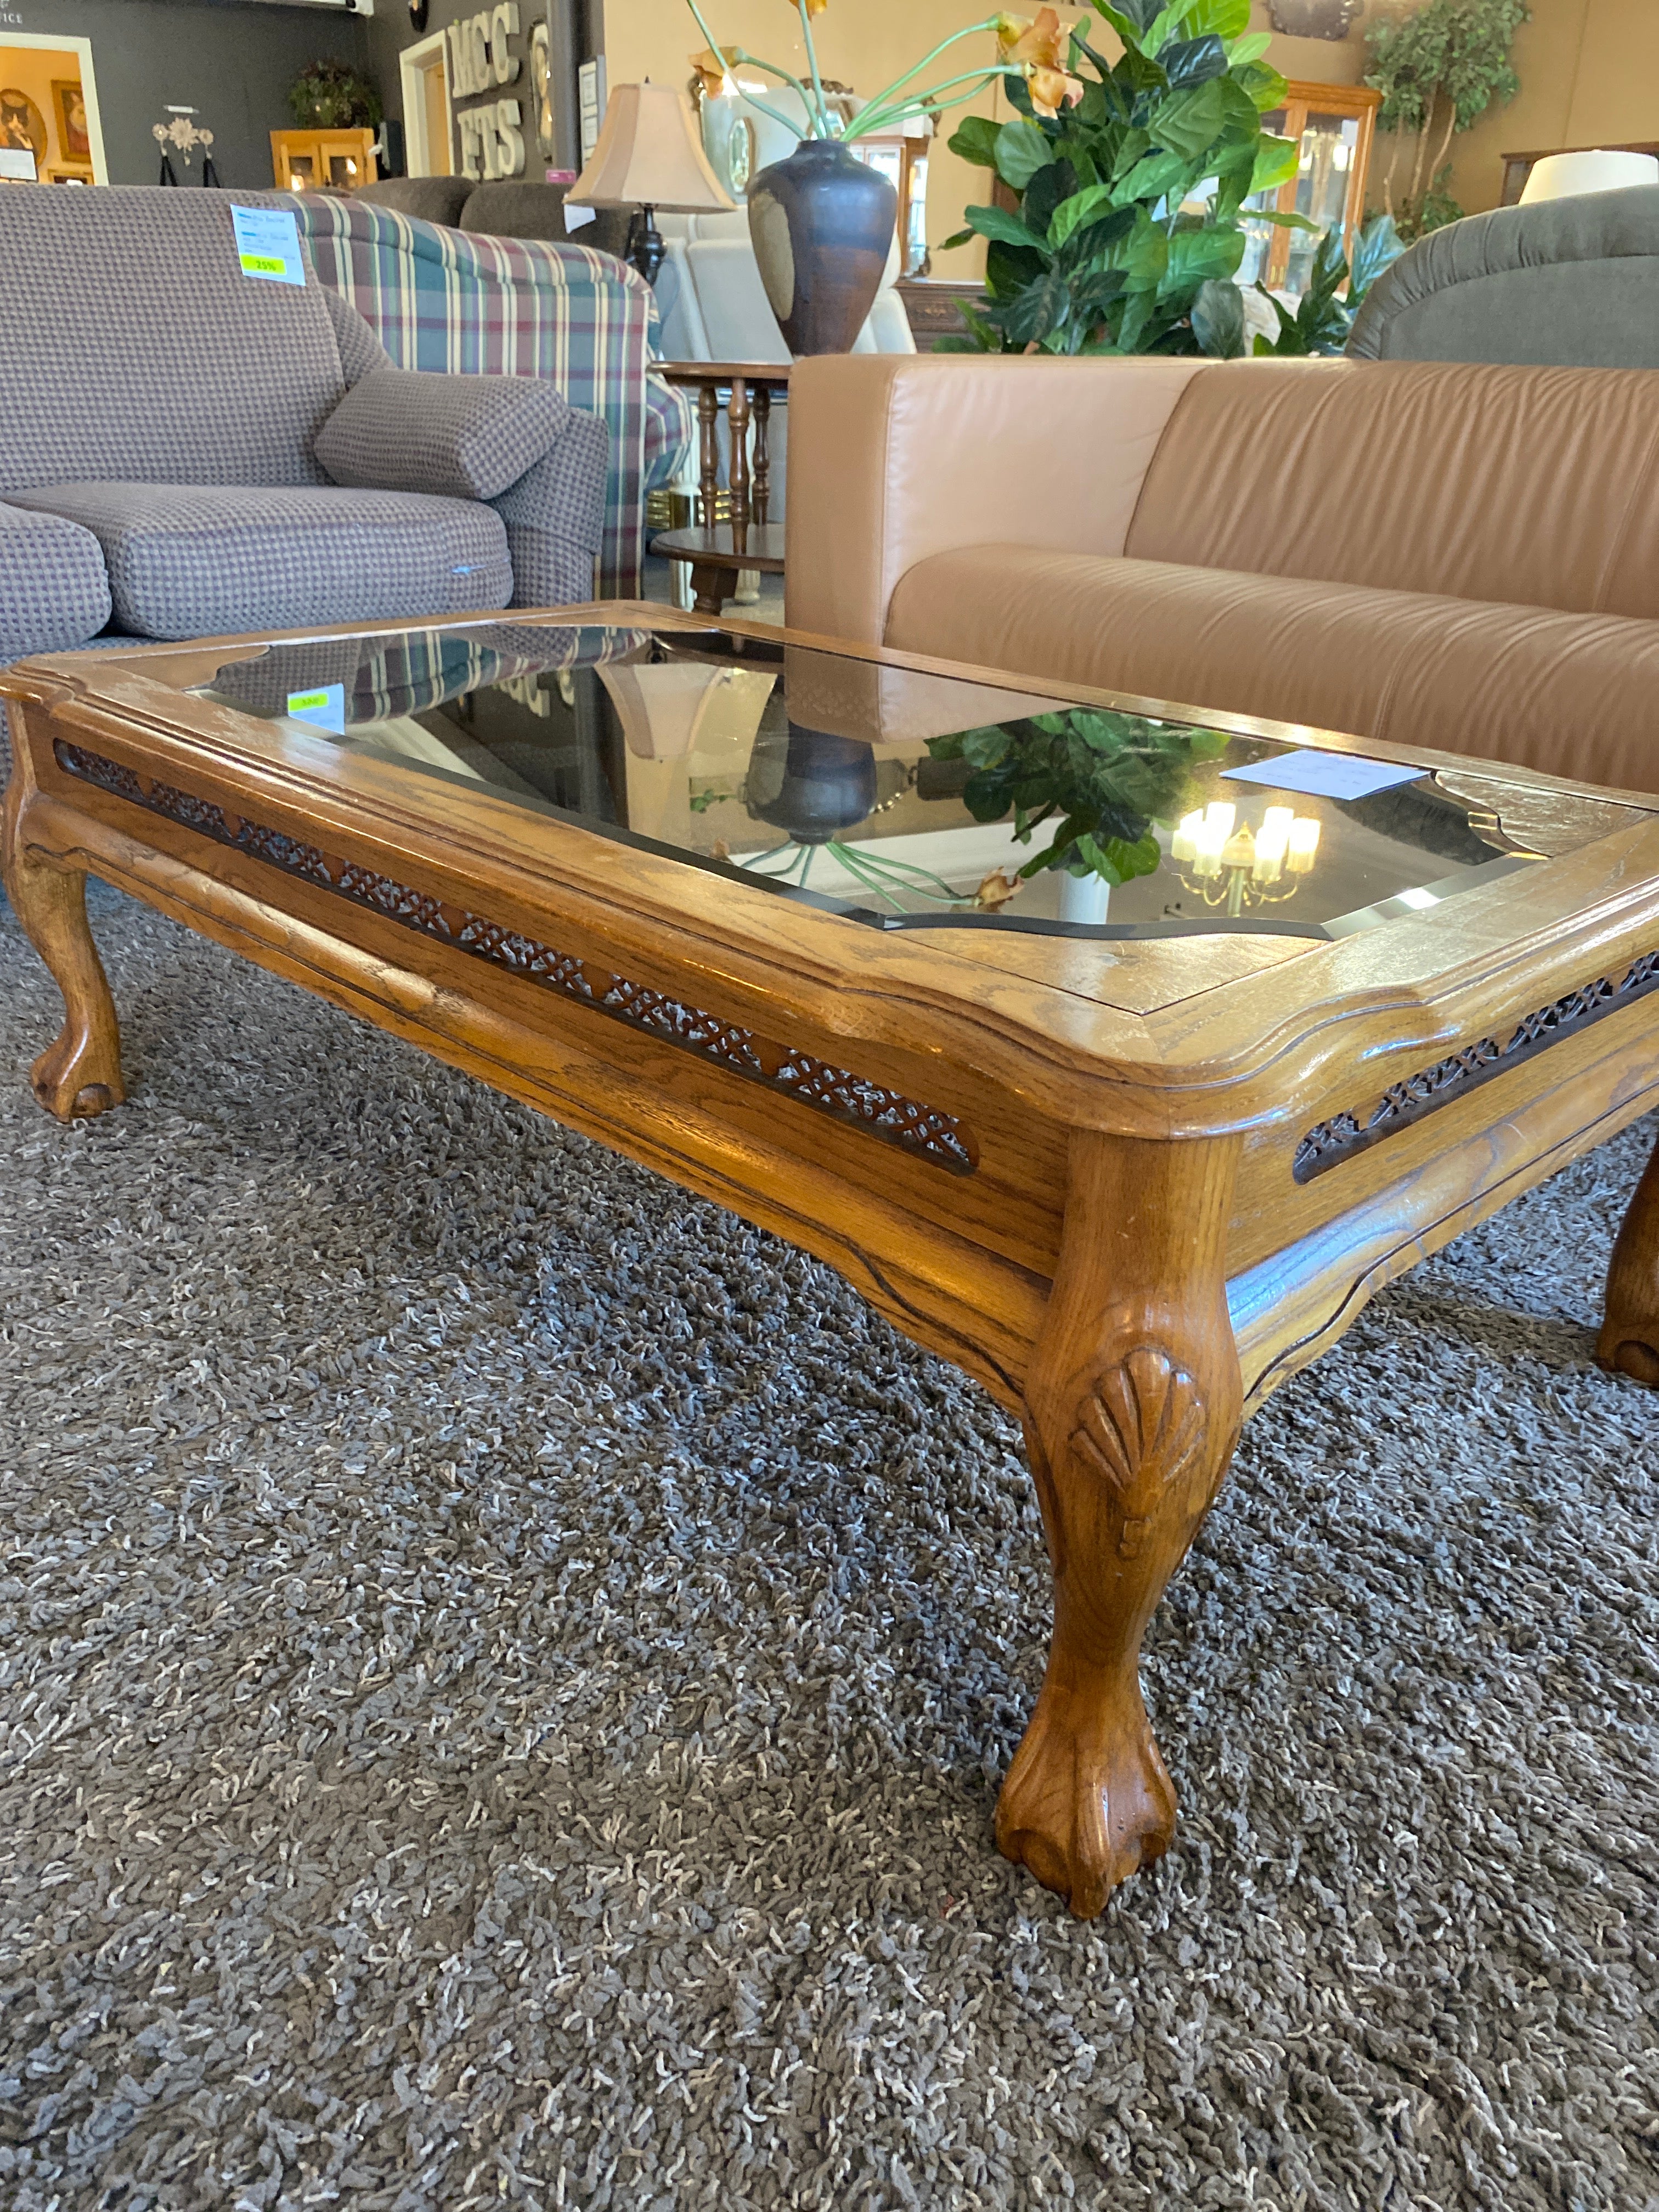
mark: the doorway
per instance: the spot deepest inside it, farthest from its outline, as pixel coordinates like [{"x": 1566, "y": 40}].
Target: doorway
[
  {"x": 49, "y": 133},
  {"x": 425, "y": 72}
]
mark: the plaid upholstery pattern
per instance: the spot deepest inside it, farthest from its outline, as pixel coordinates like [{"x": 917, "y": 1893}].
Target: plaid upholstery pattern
[
  {"x": 137, "y": 350},
  {"x": 466, "y": 437},
  {"x": 56, "y": 593},
  {"x": 191, "y": 561},
  {"x": 454, "y": 300}
]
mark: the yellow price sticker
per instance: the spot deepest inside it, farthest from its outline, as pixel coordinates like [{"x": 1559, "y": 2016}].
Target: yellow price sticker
[{"x": 262, "y": 264}]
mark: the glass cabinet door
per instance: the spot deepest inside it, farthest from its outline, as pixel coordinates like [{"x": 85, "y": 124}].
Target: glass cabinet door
[{"x": 1330, "y": 147}]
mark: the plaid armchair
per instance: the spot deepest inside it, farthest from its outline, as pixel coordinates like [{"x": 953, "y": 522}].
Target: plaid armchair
[{"x": 455, "y": 301}]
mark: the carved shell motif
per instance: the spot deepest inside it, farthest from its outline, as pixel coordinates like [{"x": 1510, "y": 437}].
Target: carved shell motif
[{"x": 1142, "y": 1431}]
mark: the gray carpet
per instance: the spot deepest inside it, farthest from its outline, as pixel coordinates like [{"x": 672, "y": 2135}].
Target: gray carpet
[{"x": 506, "y": 1673}]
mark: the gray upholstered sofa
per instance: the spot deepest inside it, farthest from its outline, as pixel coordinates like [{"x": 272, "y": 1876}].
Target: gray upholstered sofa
[
  {"x": 511, "y": 206},
  {"x": 1567, "y": 283},
  {"x": 187, "y": 450}
]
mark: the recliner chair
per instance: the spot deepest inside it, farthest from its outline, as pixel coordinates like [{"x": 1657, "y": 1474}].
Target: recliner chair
[{"x": 1562, "y": 283}]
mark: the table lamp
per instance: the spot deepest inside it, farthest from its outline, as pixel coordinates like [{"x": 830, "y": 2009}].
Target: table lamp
[{"x": 649, "y": 156}]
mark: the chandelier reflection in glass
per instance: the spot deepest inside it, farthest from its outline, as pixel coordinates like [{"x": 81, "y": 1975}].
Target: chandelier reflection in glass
[{"x": 1227, "y": 864}]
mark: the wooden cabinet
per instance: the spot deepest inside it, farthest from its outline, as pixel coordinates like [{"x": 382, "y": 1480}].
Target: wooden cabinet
[
  {"x": 1334, "y": 125},
  {"x": 322, "y": 161}
]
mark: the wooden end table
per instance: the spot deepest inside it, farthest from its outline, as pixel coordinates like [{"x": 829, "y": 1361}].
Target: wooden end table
[
  {"x": 718, "y": 552},
  {"x": 1131, "y": 1177}
]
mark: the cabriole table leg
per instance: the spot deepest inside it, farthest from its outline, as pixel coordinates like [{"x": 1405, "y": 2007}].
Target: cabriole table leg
[
  {"x": 1132, "y": 1408},
  {"x": 80, "y": 1074},
  {"x": 1628, "y": 1342}
]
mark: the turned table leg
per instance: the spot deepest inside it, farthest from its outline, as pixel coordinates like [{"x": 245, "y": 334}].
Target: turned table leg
[
  {"x": 80, "y": 1074},
  {"x": 709, "y": 455},
  {"x": 1628, "y": 1342},
  {"x": 1132, "y": 1408}
]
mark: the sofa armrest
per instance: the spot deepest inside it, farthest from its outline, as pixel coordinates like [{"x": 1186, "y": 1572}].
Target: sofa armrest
[
  {"x": 895, "y": 456},
  {"x": 464, "y": 437}
]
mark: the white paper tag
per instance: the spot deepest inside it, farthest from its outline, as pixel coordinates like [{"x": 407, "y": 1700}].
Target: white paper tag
[
  {"x": 1325, "y": 775},
  {"x": 267, "y": 243},
  {"x": 577, "y": 218},
  {"x": 324, "y": 707}
]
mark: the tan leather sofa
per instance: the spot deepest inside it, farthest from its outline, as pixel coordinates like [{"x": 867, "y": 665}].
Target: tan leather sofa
[{"x": 1447, "y": 554}]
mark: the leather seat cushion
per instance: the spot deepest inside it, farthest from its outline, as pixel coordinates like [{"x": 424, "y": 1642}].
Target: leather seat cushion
[
  {"x": 210, "y": 560},
  {"x": 1568, "y": 694}
]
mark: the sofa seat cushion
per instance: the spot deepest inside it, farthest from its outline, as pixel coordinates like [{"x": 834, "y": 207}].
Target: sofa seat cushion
[
  {"x": 53, "y": 591},
  {"x": 208, "y": 559},
  {"x": 1569, "y": 694}
]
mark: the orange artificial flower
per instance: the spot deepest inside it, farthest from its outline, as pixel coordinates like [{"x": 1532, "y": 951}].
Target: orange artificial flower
[
  {"x": 1043, "y": 44},
  {"x": 1051, "y": 89},
  {"x": 813, "y": 6},
  {"x": 713, "y": 65},
  {"x": 1042, "y": 48}
]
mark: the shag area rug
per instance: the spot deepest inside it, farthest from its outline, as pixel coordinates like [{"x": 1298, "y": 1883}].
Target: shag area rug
[{"x": 506, "y": 1672}]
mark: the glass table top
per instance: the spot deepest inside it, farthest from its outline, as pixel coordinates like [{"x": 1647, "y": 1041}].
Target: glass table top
[{"x": 902, "y": 799}]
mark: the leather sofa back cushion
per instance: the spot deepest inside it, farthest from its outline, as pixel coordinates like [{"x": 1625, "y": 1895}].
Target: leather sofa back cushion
[
  {"x": 1538, "y": 487},
  {"x": 135, "y": 348}
]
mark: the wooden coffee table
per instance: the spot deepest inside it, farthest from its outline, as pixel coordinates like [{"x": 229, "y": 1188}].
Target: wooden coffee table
[{"x": 1131, "y": 1176}]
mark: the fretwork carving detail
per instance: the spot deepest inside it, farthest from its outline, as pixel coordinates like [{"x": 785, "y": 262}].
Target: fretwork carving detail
[
  {"x": 1329, "y": 1143},
  {"x": 923, "y": 1130}
]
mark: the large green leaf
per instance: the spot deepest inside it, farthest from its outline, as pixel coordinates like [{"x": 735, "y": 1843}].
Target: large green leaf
[
  {"x": 1219, "y": 319},
  {"x": 974, "y": 139},
  {"x": 1160, "y": 176},
  {"x": 1190, "y": 123},
  {"x": 1130, "y": 19},
  {"x": 1262, "y": 87},
  {"x": 1250, "y": 48},
  {"x": 1195, "y": 256},
  {"x": 1275, "y": 163},
  {"x": 998, "y": 223},
  {"x": 1041, "y": 307},
  {"x": 1193, "y": 61},
  {"x": 1143, "y": 254},
  {"x": 1078, "y": 212},
  {"x": 1164, "y": 25},
  {"x": 1228, "y": 19},
  {"x": 1022, "y": 148}
]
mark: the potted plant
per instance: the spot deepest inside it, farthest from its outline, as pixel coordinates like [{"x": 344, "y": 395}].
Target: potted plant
[{"x": 329, "y": 96}]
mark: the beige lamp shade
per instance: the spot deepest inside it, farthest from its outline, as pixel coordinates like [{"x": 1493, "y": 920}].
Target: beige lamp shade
[
  {"x": 648, "y": 156},
  {"x": 1601, "y": 169}
]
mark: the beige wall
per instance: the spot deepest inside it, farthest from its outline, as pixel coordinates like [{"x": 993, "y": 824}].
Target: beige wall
[
  {"x": 1589, "y": 71},
  {"x": 1615, "y": 93}
]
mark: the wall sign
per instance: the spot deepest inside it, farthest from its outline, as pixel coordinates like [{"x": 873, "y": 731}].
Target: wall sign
[{"x": 491, "y": 140}]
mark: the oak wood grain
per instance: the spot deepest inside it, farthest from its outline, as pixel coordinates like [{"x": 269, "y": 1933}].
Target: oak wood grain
[{"x": 1122, "y": 1249}]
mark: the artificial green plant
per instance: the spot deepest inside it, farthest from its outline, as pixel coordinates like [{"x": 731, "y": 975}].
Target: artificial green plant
[
  {"x": 1102, "y": 778},
  {"x": 1129, "y": 231}
]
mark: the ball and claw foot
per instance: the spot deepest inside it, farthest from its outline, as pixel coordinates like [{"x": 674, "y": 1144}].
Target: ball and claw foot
[
  {"x": 1088, "y": 1801},
  {"x": 1628, "y": 1342}
]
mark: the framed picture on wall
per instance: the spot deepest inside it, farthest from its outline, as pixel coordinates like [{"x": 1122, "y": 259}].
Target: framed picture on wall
[
  {"x": 70, "y": 111},
  {"x": 22, "y": 126}
]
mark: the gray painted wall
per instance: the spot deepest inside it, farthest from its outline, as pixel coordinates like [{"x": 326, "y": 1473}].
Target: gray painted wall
[
  {"x": 233, "y": 62},
  {"x": 577, "y": 25}
]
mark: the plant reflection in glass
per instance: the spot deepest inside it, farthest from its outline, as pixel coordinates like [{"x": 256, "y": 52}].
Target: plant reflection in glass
[{"x": 1103, "y": 778}]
